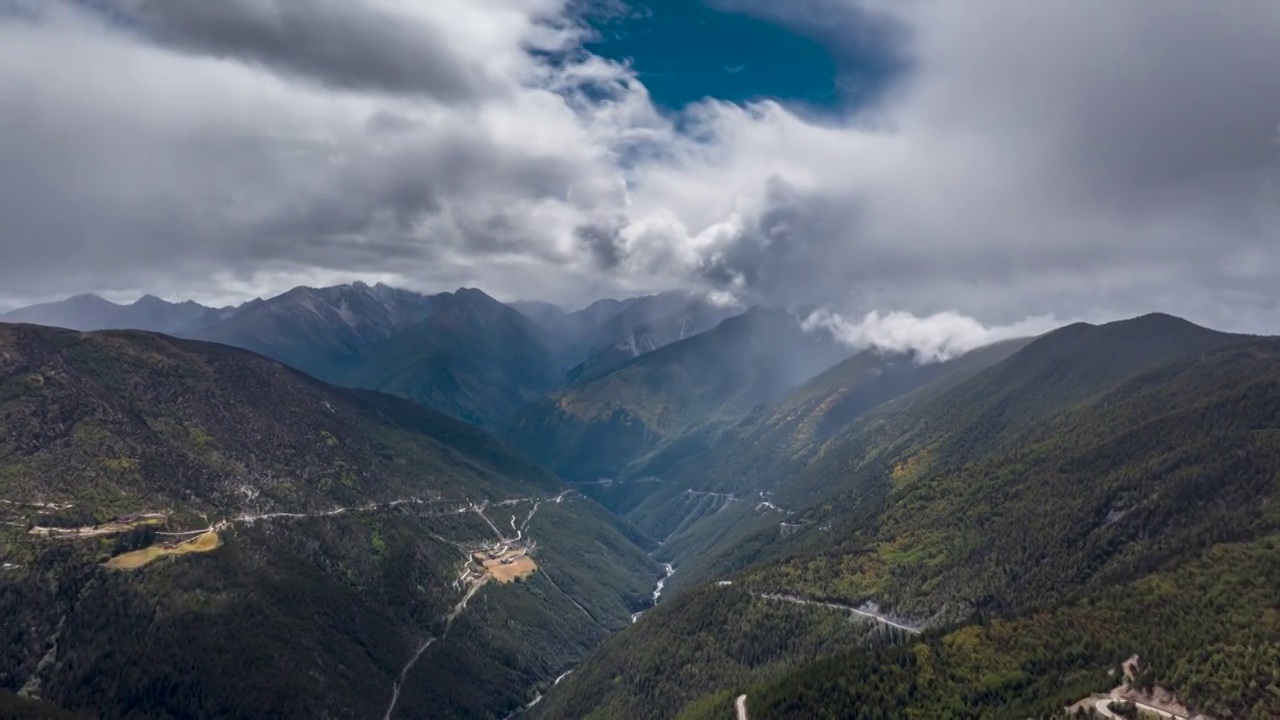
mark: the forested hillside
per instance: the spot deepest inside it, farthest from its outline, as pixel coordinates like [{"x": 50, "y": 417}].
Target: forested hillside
[
  {"x": 731, "y": 487},
  {"x": 985, "y": 537},
  {"x": 992, "y": 398},
  {"x": 473, "y": 358},
  {"x": 192, "y": 530},
  {"x": 1102, "y": 492},
  {"x": 1207, "y": 629},
  {"x": 716, "y": 638},
  {"x": 686, "y": 392}
]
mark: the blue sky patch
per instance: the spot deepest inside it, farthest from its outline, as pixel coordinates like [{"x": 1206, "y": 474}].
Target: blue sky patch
[{"x": 685, "y": 50}]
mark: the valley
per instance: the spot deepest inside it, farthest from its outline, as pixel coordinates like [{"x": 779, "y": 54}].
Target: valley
[
  {"x": 842, "y": 532},
  {"x": 657, "y": 589},
  {"x": 944, "y": 504}
]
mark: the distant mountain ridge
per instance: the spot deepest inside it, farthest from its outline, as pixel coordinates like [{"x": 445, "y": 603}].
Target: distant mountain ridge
[
  {"x": 91, "y": 312},
  {"x": 690, "y": 389},
  {"x": 321, "y": 331},
  {"x": 472, "y": 357},
  {"x": 608, "y": 332},
  {"x": 461, "y": 352},
  {"x": 646, "y": 324}
]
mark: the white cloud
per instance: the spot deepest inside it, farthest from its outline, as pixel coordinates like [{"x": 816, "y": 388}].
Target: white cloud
[
  {"x": 1009, "y": 174},
  {"x": 935, "y": 338}
]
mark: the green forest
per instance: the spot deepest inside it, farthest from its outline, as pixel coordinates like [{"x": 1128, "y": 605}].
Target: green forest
[
  {"x": 1101, "y": 493},
  {"x": 988, "y": 538},
  {"x": 365, "y": 507}
]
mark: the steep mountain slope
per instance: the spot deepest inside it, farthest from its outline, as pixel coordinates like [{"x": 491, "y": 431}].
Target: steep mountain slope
[
  {"x": 321, "y": 331},
  {"x": 753, "y": 458},
  {"x": 690, "y": 389},
  {"x": 462, "y": 353},
  {"x": 571, "y": 334},
  {"x": 90, "y": 312},
  {"x": 1041, "y": 664},
  {"x": 192, "y": 530},
  {"x": 644, "y": 325},
  {"x": 1103, "y": 491},
  {"x": 1054, "y": 493},
  {"x": 957, "y": 419},
  {"x": 607, "y": 333},
  {"x": 473, "y": 358},
  {"x": 960, "y": 422}
]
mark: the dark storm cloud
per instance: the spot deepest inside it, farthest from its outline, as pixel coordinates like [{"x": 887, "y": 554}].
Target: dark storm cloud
[
  {"x": 791, "y": 250},
  {"x": 602, "y": 242},
  {"x": 336, "y": 42},
  {"x": 195, "y": 168},
  {"x": 1080, "y": 159}
]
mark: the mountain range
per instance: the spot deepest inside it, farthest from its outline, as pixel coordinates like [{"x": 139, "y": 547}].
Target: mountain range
[
  {"x": 1035, "y": 528},
  {"x": 91, "y": 312},
  {"x": 1040, "y": 514},
  {"x": 461, "y": 352},
  {"x": 627, "y": 422}
]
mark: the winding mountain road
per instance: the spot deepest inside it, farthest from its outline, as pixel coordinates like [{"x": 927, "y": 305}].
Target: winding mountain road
[
  {"x": 395, "y": 687},
  {"x": 837, "y": 606},
  {"x": 740, "y": 704},
  {"x": 116, "y": 528},
  {"x": 475, "y": 588},
  {"x": 1103, "y": 708}
]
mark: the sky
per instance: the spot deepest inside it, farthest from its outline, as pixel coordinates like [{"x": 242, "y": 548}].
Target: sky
[
  {"x": 685, "y": 51},
  {"x": 920, "y": 170}
]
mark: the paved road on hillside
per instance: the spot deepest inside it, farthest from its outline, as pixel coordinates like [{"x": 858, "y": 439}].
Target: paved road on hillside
[
  {"x": 1101, "y": 707},
  {"x": 837, "y": 606},
  {"x": 741, "y": 706}
]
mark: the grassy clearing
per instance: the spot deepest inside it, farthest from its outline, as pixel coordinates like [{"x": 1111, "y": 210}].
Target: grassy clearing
[
  {"x": 511, "y": 566},
  {"x": 140, "y": 558}
]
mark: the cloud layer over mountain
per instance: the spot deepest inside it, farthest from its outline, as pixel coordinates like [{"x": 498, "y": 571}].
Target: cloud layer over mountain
[{"x": 1072, "y": 159}]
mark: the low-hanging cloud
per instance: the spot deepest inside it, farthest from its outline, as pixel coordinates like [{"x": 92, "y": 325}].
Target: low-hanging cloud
[{"x": 935, "y": 338}]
